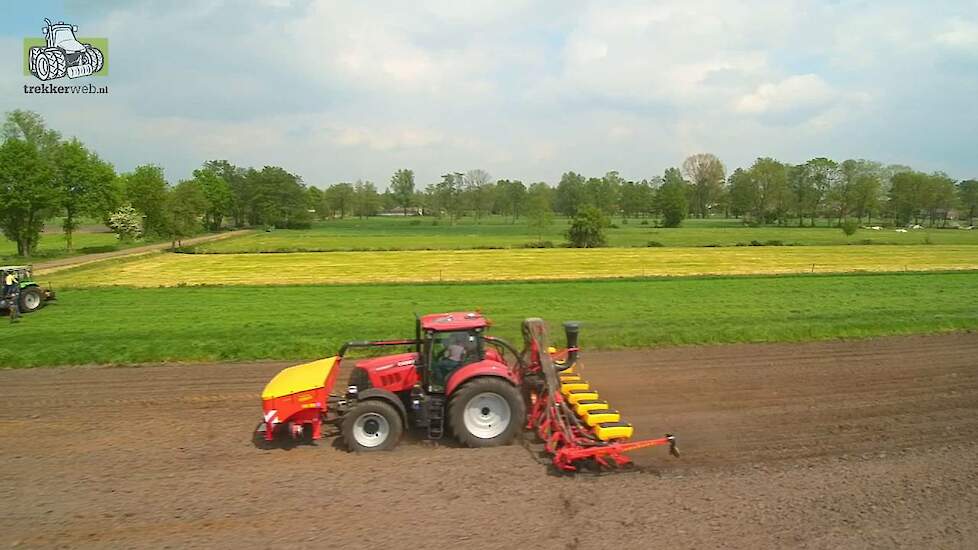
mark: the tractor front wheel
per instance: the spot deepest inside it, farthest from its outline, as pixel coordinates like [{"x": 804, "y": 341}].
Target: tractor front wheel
[
  {"x": 95, "y": 57},
  {"x": 372, "y": 425},
  {"x": 31, "y": 299},
  {"x": 486, "y": 412},
  {"x": 54, "y": 65}
]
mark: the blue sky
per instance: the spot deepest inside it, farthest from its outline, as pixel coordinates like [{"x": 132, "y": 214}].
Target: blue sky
[{"x": 343, "y": 91}]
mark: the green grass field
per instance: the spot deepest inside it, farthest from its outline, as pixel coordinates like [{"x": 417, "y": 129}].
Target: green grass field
[
  {"x": 124, "y": 325},
  {"x": 507, "y": 265},
  {"x": 418, "y": 233},
  {"x": 52, "y": 247}
]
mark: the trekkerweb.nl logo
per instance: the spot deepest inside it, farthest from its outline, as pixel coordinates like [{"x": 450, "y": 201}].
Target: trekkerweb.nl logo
[{"x": 61, "y": 54}]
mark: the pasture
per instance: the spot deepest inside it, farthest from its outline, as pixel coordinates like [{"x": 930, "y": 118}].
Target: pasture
[
  {"x": 52, "y": 245},
  {"x": 507, "y": 265},
  {"x": 127, "y": 325},
  {"x": 353, "y": 234},
  {"x": 91, "y": 237}
]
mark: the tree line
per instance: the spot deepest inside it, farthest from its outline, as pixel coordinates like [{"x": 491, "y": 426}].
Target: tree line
[
  {"x": 43, "y": 176},
  {"x": 767, "y": 192}
]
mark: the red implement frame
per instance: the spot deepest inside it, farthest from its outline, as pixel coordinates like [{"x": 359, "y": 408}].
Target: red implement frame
[{"x": 572, "y": 443}]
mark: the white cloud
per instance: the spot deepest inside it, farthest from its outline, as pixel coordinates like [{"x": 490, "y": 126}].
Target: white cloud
[
  {"x": 339, "y": 91},
  {"x": 960, "y": 34},
  {"x": 387, "y": 138},
  {"x": 797, "y": 92}
]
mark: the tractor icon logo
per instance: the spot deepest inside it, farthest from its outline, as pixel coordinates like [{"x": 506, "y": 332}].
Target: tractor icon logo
[{"x": 63, "y": 54}]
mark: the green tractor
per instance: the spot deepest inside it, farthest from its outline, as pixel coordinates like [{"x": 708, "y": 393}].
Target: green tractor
[{"x": 32, "y": 295}]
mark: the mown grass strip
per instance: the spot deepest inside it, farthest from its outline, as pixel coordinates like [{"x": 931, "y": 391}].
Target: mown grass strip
[{"x": 511, "y": 265}]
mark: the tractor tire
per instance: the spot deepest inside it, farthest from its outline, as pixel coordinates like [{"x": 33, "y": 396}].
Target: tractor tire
[
  {"x": 95, "y": 57},
  {"x": 33, "y": 54},
  {"x": 41, "y": 66},
  {"x": 486, "y": 412},
  {"x": 31, "y": 299},
  {"x": 372, "y": 425},
  {"x": 57, "y": 64}
]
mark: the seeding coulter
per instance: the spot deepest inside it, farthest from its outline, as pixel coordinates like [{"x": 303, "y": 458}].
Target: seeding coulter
[{"x": 461, "y": 381}]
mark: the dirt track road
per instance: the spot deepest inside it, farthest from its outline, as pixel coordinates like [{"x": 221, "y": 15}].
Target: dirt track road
[
  {"x": 53, "y": 266},
  {"x": 823, "y": 445}
]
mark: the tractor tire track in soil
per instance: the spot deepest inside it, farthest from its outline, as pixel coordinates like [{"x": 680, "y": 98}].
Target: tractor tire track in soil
[{"x": 819, "y": 445}]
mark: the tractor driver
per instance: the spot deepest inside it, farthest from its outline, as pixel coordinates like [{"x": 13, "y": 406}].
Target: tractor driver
[
  {"x": 449, "y": 359},
  {"x": 11, "y": 293}
]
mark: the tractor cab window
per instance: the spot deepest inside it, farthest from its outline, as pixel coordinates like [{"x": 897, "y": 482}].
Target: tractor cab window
[
  {"x": 62, "y": 35},
  {"x": 451, "y": 350}
]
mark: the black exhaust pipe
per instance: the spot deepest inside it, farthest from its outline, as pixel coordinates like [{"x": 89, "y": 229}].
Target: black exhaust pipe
[{"x": 572, "y": 329}]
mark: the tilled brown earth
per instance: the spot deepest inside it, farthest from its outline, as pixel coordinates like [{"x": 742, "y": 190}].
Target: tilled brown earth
[{"x": 823, "y": 445}]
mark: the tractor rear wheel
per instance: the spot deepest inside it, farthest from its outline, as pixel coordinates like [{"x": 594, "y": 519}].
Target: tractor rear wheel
[
  {"x": 486, "y": 412},
  {"x": 31, "y": 299},
  {"x": 57, "y": 64},
  {"x": 372, "y": 425}
]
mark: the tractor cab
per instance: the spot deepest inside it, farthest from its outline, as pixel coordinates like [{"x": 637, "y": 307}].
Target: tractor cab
[
  {"x": 22, "y": 272},
  {"x": 62, "y": 35},
  {"x": 448, "y": 342}
]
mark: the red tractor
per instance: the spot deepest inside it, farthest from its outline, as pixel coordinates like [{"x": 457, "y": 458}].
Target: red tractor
[{"x": 456, "y": 378}]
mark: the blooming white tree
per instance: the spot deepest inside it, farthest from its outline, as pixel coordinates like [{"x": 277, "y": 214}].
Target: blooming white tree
[{"x": 126, "y": 222}]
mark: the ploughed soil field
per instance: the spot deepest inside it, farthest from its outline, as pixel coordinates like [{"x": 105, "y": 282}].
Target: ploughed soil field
[{"x": 820, "y": 445}]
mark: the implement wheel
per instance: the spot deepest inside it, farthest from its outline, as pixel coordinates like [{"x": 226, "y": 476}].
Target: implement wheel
[
  {"x": 486, "y": 412},
  {"x": 372, "y": 425}
]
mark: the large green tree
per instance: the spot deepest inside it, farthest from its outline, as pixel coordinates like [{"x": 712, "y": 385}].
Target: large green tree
[
  {"x": 447, "y": 195},
  {"x": 217, "y": 191},
  {"x": 867, "y": 191},
  {"x": 743, "y": 192},
  {"x": 570, "y": 195},
  {"x": 402, "y": 187},
  {"x": 478, "y": 189},
  {"x": 842, "y": 194},
  {"x": 340, "y": 198},
  {"x": 942, "y": 197},
  {"x": 30, "y": 127},
  {"x": 811, "y": 183},
  {"x": 909, "y": 193},
  {"x": 185, "y": 206},
  {"x": 705, "y": 173},
  {"x": 28, "y": 193},
  {"x": 968, "y": 197},
  {"x": 604, "y": 192},
  {"x": 539, "y": 208},
  {"x": 277, "y": 198},
  {"x": 317, "y": 201},
  {"x": 145, "y": 189},
  {"x": 773, "y": 199},
  {"x": 636, "y": 198},
  {"x": 587, "y": 229},
  {"x": 86, "y": 186},
  {"x": 671, "y": 198},
  {"x": 242, "y": 194},
  {"x": 366, "y": 199},
  {"x": 511, "y": 196}
]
